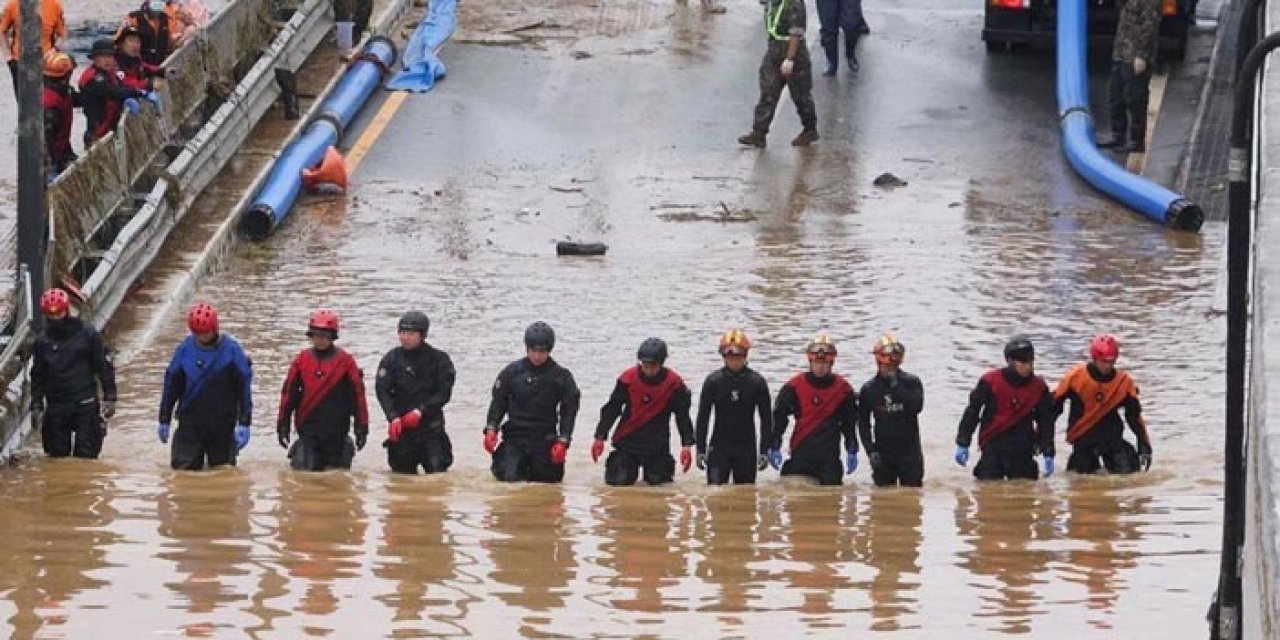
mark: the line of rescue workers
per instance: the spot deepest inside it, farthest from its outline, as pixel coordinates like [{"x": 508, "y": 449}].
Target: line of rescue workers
[{"x": 535, "y": 402}]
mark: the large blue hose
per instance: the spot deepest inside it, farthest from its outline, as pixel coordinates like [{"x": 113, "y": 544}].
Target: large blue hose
[
  {"x": 1140, "y": 194},
  {"x": 284, "y": 183}
]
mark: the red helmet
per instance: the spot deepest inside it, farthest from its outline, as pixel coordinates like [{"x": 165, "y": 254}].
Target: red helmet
[
  {"x": 1104, "y": 347},
  {"x": 325, "y": 320},
  {"x": 735, "y": 340},
  {"x": 54, "y": 301},
  {"x": 202, "y": 318}
]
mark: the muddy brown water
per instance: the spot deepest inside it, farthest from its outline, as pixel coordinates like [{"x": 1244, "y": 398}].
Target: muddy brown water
[{"x": 454, "y": 213}]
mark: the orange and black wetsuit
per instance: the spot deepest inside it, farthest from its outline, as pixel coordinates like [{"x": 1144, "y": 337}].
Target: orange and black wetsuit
[{"x": 1094, "y": 428}]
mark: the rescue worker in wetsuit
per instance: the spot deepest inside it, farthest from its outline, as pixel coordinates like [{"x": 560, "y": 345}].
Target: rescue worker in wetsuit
[
  {"x": 1014, "y": 407},
  {"x": 210, "y": 381},
  {"x": 1098, "y": 391},
  {"x": 69, "y": 363},
  {"x": 889, "y": 406},
  {"x": 138, "y": 73},
  {"x": 733, "y": 393},
  {"x": 785, "y": 65},
  {"x": 645, "y": 398},
  {"x": 534, "y": 394},
  {"x": 415, "y": 382},
  {"x": 323, "y": 395},
  {"x": 825, "y": 408},
  {"x": 152, "y": 23},
  {"x": 103, "y": 93},
  {"x": 59, "y": 102}
]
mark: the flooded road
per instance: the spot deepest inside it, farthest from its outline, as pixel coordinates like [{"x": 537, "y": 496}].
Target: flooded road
[{"x": 630, "y": 141}]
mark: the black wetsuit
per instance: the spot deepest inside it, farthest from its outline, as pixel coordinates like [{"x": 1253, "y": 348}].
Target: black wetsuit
[
  {"x": 419, "y": 379},
  {"x": 735, "y": 397},
  {"x": 1017, "y": 418},
  {"x": 68, "y": 363},
  {"x": 643, "y": 441},
  {"x": 825, "y": 409},
  {"x": 535, "y": 400},
  {"x": 895, "y": 402}
]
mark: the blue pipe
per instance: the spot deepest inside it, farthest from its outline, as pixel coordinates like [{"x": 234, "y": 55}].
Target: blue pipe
[
  {"x": 1138, "y": 193},
  {"x": 282, "y": 186}
]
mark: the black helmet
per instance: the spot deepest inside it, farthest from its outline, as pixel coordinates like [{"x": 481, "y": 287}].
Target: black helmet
[
  {"x": 415, "y": 321},
  {"x": 540, "y": 335},
  {"x": 1019, "y": 348},
  {"x": 652, "y": 350},
  {"x": 102, "y": 47}
]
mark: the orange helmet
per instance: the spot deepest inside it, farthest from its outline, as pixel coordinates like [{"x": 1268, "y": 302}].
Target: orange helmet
[
  {"x": 821, "y": 347},
  {"x": 58, "y": 64},
  {"x": 888, "y": 350},
  {"x": 735, "y": 342}
]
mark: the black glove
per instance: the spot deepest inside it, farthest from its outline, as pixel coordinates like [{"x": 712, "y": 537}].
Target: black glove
[
  {"x": 108, "y": 409},
  {"x": 1144, "y": 461},
  {"x": 37, "y": 404},
  {"x": 282, "y": 434},
  {"x": 362, "y": 436}
]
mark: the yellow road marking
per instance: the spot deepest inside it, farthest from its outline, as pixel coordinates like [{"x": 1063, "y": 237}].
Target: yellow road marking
[{"x": 374, "y": 131}]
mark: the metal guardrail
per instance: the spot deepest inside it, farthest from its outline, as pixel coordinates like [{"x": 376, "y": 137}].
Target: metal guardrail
[{"x": 204, "y": 156}]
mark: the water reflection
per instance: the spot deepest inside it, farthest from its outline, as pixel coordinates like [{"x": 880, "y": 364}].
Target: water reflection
[
  {"x": 322, "y": 526},
  {"x": 56, "y": 533},
  {"x": 887, "y": 537},
  {"x": 728, "y": 530},
  {"x": 1103, "y": 524},
  {"x": 535, "y": 554},
  {"x": 204, "y": 520},
  {"x": 1006, "y": 525},
  {"x": 816, "y": 531},
  {"x": 643, "y": 548}
]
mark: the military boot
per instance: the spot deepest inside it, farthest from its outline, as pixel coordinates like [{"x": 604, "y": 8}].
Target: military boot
[
  {"x": 753, "y": 139},
  {"x": 806, "y": 137}
]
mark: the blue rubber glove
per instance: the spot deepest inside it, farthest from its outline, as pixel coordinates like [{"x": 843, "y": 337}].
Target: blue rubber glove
[
  {"x": 962, "y": 456},
  {"x": 775, "y": 459},
  {"x": 131, "y": 105},
  {"x": 850, "y": 462},
  {"x": 242, "y": 436},
  {"x": 153, "y": 98},
  {"x": 1048, "y": 466},
  {"x": 162, "y": 431}
]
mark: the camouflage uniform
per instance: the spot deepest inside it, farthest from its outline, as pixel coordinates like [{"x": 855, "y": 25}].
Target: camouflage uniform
[
  {"x": 1136, "y": 37},
  {"x": 357, "y": 11},
  {"x": 783, "y": 19}
]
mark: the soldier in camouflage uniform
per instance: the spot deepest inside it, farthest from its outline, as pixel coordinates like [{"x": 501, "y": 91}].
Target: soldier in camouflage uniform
[
  {"x": 1131, "y": 60},
  {"x": 786, "y": 64}
]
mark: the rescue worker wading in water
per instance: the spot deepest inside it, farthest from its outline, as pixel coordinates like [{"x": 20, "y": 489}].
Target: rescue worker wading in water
[
  {"x": 1015, "y": 408},
  {"x": 415, "y": 382},
  {"x": 734, "y": 392},
  {"x": 210, "y": 380},
  {"x": 645, "y": 397},
  {"x": 892, "y": 400},
  {"x": 323, "y": 395},
  {"x": 69, "y": 363},
  {"x": 825, "y": 408},
  {"x": 535, "y": 394},
  {"x": 1097, "y": 391}
]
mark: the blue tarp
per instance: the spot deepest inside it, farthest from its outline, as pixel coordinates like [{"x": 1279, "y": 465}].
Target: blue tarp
[{"x": 421, "y": 66}]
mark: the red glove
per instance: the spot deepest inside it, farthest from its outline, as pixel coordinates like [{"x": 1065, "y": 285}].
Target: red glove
[
  {"x": 490, "y": 440},
  {"x": 558, "y": 452},
  {"x": 597, "y": 449},
  {"x": 412, "y": 419},
  {"x": 686, "y": 459},
  {"x": 393, "y": 430}
]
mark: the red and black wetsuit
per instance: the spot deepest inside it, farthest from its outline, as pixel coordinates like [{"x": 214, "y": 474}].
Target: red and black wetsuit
[
  {"x": 101, "y": 94},
  {"x": 60, "y": 102},
  {"x": 643, "y": 439},
  {"x": 893, "y": 404},
  {"x": 138, "y": 73},
  {"x": 324, "y": 394},
  {"x": 736, "y": 399},
  {"x": 825, "y": 409},
  {"x": 1017, "y": 418}
]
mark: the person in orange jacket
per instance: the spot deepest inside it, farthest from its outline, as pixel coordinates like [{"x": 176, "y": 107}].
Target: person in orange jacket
[
  {"x": 323, "y": 396},
  {"x": 1098, "y": 391},
  {"x": 153, "y": 22},
  {"x": 53, "y": 30}
]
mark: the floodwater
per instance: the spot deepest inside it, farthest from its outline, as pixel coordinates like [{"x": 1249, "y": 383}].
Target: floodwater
[{"x": 631, "y": 142}]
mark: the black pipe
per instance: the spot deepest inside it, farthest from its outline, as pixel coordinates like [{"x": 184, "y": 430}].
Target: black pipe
[
  {"x": 1247, "y": 34},
  {"x": 1228, "y": 620},
  {"x": 32, "y": 231}
]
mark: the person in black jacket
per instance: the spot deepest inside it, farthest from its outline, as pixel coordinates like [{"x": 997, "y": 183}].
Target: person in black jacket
[
  {"x": 892, "y": 400},
  {"x": 734, "y": 393},
  {"x": 1015, "y": 409},
  {"x": 825, "y": 408},
  {"x": 68, "y": 365},
  {"x": 643, "y": 401},
  {"x": 415, "y": 382},
  {"x": 535, "y": 394},
  {"x": 104, "y": 94}
]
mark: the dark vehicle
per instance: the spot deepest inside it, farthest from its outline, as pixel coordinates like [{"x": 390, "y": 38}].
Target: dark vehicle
[{"x": 1011, "y": 24}]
